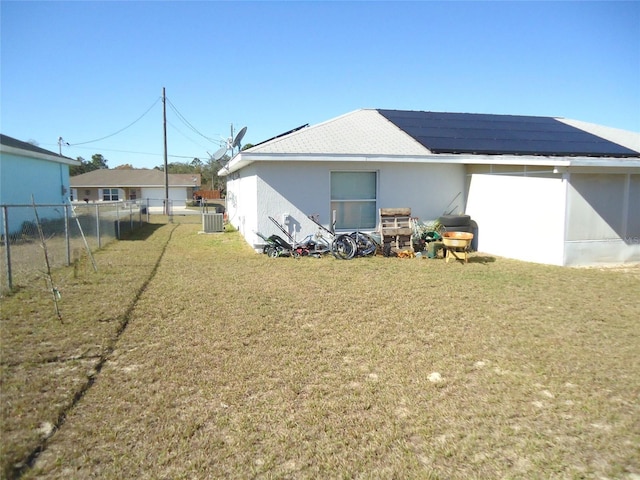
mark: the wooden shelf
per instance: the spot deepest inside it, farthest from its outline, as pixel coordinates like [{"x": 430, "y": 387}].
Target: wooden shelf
[{"x": 396, "y": 231}]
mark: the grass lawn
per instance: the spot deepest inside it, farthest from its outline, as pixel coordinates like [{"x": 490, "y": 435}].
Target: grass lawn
[{"x": 190, "y": 356}]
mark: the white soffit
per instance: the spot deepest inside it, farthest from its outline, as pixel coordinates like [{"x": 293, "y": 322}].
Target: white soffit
[{"x": 362, "y": 132}]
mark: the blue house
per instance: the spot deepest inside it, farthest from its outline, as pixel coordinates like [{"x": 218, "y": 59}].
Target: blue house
[{"x": 27, "y": 170}]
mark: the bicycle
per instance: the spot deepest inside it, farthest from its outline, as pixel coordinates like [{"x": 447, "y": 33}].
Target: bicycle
[{"x": 342, "y": 246}]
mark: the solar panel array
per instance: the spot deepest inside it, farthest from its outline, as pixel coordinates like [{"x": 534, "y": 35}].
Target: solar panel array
[{"x": 501, "y": 134}]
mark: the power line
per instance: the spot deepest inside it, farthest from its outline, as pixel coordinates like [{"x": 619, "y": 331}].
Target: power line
[
  {"x": 188, "y": 124},
  {"x": 178, "y": 114},
  {"x": 122, "y": 129},
  {"x": 184, "y": 135},
  {"x": 137, "y": 153}
]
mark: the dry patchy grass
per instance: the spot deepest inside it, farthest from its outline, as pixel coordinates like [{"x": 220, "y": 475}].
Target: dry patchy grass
[{"x": 235, "y": 365}]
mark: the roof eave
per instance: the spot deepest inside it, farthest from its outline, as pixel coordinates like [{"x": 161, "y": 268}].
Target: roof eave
[
  {"x": 242, "y": 160},
  {"x": 41, "y": 156},
  {"x": 131, "y": 185}
]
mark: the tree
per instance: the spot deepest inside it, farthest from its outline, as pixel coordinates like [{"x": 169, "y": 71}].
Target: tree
[
  {"x": 97, "y": 162},
  {"x": 78, "y": 169},
  {"x": 126, "y": 166},
  {"x": 208, "y": 171},
  {"x": 177, "y": 167},
  {"x": 211, "y": 172}
]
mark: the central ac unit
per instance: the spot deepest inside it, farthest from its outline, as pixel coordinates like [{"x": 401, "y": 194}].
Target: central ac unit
[{"x": 212, "y": 222}]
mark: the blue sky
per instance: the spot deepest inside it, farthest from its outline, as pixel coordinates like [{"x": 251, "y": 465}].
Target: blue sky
[{"x": 86, "y": 70}]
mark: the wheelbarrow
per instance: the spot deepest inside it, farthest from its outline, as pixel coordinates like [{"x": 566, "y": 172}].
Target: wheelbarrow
[{"x": 457, "y": 243}]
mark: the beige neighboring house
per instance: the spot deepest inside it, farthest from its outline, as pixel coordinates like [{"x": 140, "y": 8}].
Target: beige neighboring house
[{"x": 109, "y": 185}]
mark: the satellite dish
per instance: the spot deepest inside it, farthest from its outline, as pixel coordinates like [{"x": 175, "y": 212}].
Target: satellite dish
[
  {"x": 236, "y": 141},
  {"x": 219, "y": 153}
]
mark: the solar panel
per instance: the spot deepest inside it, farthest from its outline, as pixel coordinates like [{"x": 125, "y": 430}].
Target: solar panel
[{"x": 501, "y": 134}]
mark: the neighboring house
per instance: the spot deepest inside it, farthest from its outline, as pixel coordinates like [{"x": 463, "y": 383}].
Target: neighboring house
[
  {"x": 540, "y": 189},
  {"x": 107, "y": 185},
  {"x": 29, "y": 173}
]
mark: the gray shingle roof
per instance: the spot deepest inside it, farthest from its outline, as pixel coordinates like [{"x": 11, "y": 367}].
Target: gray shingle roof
[
  {"x": 8, "y": 141},
  {"x": 133, "y": 178},
  {"x": 364, "y": 132}
]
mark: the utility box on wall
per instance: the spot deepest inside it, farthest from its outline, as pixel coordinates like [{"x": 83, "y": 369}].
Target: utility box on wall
[{"x": 212, "y": 222}]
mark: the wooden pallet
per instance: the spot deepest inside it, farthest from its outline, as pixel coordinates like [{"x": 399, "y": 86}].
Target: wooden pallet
[{"x": 395, "y": 227}]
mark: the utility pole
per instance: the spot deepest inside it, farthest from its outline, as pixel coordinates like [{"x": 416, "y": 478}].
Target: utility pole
[
  {"x": 60, "y": 143},
  {"x": 166, "y": 166}
]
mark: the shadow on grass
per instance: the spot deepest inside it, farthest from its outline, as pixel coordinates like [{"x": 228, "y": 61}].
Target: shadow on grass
[
  {"x": 481, "y": 259},
  {"x": 141, "y": 233},
  {"x": 484, "y": 259}
]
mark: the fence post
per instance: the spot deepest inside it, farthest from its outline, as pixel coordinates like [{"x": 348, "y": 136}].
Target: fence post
[
  {"x": 131, "y": 217},
  {"x": 7, "y": 248},
  {"x": 98, "y": 225},
  {"x": 67, "y": 236},
  {"x": 117, "y": 221}
]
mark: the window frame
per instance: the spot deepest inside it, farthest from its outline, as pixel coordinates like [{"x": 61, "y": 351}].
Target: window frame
[
  {"x": 341, "y": 224},
  {"x": 108, "y": 197}
]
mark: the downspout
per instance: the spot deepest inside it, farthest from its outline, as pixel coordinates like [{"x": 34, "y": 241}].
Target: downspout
[
  {"x": 566, "y": 178},
  {"x": 63, "y": 187}
]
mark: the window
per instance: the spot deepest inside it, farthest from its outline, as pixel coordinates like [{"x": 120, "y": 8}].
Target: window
[
  {"x": 353, "y": 198},
  {"x": 110, "y": 194}
]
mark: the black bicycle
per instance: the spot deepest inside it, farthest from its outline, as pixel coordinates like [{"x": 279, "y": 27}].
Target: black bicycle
[{"x": 346, "y": 246}]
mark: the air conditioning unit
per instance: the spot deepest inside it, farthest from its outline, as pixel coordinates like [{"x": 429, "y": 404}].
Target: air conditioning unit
[{"x": 212, "y": 222}]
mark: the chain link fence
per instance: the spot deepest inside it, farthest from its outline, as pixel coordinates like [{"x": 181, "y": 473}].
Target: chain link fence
[
  {"x": 68, "y": 230},
  {"x": 193, "y": 212}
]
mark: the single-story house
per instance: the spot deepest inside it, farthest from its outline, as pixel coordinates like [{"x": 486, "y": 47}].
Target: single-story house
[
  {"x": 108, "y": 185},
  {"x": 29, "y": 173},
  {"x": 541, "y": 189}
]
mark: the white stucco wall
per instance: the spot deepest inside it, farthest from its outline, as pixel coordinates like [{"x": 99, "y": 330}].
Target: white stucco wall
[
  {"x": 431, "y": 190},
  {"x": 299, "y": 189},
  {"x": 241, "y": 202},
  {"x": 544, "y": 219},
  {"x": 519, "y": 217}
]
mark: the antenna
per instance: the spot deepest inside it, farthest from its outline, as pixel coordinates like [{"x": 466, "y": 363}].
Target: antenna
[
  {"x": 217, "y": 156},
  {"x": 219, "y": 153},
  {"x": 238, "y": 139},
  {"x": 231, "y": 143}
]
